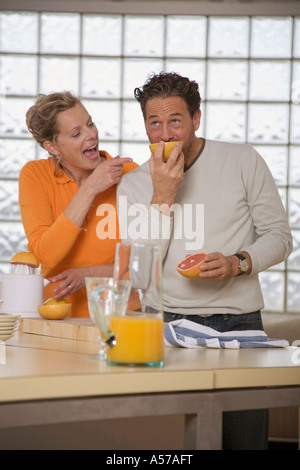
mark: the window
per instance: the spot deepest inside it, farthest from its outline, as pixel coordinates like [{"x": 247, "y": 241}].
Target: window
[{"x": 248, "y": 68}]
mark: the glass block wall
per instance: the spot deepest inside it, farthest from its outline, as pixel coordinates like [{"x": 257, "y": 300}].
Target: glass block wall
[{"x": 248, "y": 69}]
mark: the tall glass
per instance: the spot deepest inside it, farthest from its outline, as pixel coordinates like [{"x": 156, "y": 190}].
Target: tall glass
[
  {"x": 139, "y": 334},
  {"x": 106, "y": 298}
]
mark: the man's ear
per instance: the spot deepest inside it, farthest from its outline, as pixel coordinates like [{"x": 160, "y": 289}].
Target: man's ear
[
  {"x": 51, "y": 147},
  {"x": 197, "y": 119}
]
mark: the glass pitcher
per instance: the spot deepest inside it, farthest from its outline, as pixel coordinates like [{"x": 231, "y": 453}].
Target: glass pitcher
[{"x": 139, "y": 334}]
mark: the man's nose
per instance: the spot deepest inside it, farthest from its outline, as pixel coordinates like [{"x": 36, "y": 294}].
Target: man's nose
[{"x": 166, "y": 135}]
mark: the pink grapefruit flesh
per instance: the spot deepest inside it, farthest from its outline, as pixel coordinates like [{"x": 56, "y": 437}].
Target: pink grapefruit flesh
[{"x": 190, "y": 266}]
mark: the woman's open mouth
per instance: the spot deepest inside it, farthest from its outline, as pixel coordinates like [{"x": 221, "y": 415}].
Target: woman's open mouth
[{"x": 91, "y": 152}]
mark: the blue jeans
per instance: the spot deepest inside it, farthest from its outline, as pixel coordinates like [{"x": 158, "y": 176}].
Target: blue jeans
[
  {"x": 247, "y": 429},
  {"x": 222, "y": 322}
]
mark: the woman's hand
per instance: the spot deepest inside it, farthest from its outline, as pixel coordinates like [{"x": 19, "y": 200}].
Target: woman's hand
[
  {"x": 72, "y": 280},
  {"x": 106, "y": 174}
]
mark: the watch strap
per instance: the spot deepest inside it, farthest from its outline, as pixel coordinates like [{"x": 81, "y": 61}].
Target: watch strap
[{"x": 241, "y": 258}]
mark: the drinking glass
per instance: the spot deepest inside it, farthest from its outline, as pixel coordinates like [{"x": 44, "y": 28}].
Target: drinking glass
[
  {"x": 106, "y": 298},
  {"x": 139, "y": 334}
]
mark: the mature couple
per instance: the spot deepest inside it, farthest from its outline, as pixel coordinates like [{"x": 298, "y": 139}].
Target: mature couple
[{"x": 245, "y": 228}]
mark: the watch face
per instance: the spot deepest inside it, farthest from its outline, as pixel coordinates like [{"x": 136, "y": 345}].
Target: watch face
[{"x": 244, "y": 265}]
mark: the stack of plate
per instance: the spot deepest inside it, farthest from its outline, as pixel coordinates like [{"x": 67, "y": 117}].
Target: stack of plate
[{"x": 9, "y": 325}]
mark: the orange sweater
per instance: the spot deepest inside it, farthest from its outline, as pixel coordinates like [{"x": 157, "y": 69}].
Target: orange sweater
[{"x": 57, "y": 242}]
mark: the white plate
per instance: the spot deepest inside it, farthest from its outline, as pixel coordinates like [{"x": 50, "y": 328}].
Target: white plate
[
  {"x": 9, "y": 314},
  {"x": 6, "y": 337},
  {"x": 9, "y": 322},
  {"x": 7, "y": 317},
  {"x": 7, "y": 330},
  {"x": 9, "y": 325}
]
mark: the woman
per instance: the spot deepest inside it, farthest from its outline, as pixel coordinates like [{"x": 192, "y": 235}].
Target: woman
[{"x": 62, "y": 198}]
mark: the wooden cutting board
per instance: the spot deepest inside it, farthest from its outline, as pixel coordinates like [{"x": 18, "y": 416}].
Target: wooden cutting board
[{"x": 82, "y": 329}]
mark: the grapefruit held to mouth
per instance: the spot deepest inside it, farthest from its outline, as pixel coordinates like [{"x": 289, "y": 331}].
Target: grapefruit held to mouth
[
  {"x": 167, "y": 149},
  {"x": 190, "y": 266}
]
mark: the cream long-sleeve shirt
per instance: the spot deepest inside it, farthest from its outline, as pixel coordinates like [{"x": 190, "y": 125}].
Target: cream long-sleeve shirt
[{"x": 228, "y": 202}]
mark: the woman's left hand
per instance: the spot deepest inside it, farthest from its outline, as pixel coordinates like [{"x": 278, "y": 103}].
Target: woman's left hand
[{"x": 69, "y": 281}]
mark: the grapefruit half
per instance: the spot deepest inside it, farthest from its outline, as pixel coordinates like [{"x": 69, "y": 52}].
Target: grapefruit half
[
  {"x": 53, "y": 301},
  {"x": 24, "y": 257},
  {"x": 190, "y": 266},
  {"x": 167, "y": 149}
]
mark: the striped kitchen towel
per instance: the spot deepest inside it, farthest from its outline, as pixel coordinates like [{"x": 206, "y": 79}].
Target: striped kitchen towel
[{"x": 188, "y": 334}]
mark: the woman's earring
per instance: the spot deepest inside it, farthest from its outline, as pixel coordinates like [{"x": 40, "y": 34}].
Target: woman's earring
[{"x": 58, "y": 171}]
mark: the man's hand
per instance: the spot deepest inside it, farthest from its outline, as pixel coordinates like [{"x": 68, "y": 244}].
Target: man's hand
[
  {"x": 218, "y": 267},
  {"x": 166, "y": 176}
]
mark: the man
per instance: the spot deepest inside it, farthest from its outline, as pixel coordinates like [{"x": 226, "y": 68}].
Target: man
[{"x": 243, "y": 223}]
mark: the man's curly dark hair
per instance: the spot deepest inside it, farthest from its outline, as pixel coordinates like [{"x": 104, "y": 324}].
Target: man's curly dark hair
[{"x": 167, "y": 84}]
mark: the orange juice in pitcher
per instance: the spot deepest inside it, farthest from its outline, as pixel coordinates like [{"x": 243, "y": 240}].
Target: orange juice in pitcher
[{"x": 139, "y": 340}]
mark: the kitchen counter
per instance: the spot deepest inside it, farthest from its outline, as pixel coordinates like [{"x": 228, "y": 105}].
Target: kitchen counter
[{"x": 48, "y": 380}]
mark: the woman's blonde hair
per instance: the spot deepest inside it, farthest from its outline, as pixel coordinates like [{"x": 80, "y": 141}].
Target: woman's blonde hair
[
  {"x": 41, "y": 119},
  {"x": 42, "y": 116}
]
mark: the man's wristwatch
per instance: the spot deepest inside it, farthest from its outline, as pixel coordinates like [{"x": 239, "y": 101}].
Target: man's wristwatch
[{"x": 243, "y": 264}]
